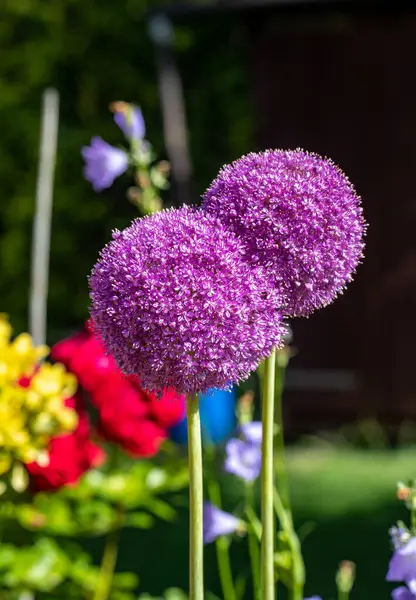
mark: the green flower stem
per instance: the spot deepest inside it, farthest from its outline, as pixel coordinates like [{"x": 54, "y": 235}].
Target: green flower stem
[
  {"x": 298, "y": 568},
  {"x": 221, "y": 543},
  {"x": 253, "y": 546},
  {"x": 196, "y": 572},
  {"x": 412, "y": 512},
  {"x": 109, "y": 560},
  {"x": 267, "y": 481}
]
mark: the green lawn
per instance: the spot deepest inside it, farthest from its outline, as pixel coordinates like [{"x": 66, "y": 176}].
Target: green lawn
[{"x": 344, "y": 498}]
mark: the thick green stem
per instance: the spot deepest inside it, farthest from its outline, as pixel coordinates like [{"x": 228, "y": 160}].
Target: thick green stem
[
  {"x": 221, "y": 544},
  {"x": 196, "y": 572},
  {"x": 267, "y": 481},
  {"x": 253, "y": 545},
  {"x": 109, "y": 560}
]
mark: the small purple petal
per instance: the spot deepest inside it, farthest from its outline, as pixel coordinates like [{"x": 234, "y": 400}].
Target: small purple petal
[
  {"x": 103, "y": 163},
  {"x": 243, "y": 459},
  {"x": 132, "y": 125},
  {"x": 402, "y": 593},
  {"x": 218, "y": 523},
  {"x": 313, "y": 598},
  {"x": 402, "y": 565},
  {"x": 252, "y": 432}
]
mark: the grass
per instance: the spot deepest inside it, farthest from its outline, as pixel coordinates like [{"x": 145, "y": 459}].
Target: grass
[{"x": 343, "y": 500}]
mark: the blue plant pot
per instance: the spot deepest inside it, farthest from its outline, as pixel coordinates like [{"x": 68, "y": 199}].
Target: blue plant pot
[{"x": 218, "y": 418}]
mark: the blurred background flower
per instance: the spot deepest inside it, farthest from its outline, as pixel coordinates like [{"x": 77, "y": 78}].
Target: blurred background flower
[
  {"x": 126, "y": 414},
  {"x": 34, "y": 401},
  {"x": 70, "y": 455},
  {"x": 218, "y": 523}
]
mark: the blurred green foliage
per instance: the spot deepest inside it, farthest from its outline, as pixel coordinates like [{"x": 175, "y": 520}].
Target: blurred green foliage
[
  {"x": 41, "y": 549},
  {"x": 93, "y": 53},
  {"x": 92, "y": 507},
  {"x": 49, "y": 569}
]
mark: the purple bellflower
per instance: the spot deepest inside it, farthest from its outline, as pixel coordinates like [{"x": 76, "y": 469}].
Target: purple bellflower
[
  {"x": 402, "y": 565},
  {"x": 103, "y": 163},
  {"x": 130, "y": 120},
  {"x": 402, "y": 593},
  {"x": 252, "y": 432},
  {"x": 298, "y": 216},
  {"x": 313, "y": 598},
  {"x": 243, "y": 459},
  {"x": 176, "y": 304},
  {"x": 218, "y": 523}
]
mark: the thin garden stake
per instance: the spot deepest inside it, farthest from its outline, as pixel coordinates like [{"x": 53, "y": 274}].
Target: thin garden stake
[{"x": 42, "y": 219}]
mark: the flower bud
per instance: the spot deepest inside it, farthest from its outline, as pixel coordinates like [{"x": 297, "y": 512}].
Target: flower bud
[
  {"x": 68, "y": 419},
  {"x": 346, "y": 576},
  {"x": 245, "y": 408}
]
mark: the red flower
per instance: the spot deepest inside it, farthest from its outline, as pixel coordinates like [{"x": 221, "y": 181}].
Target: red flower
[
  {"x": 169, "y": 409},
  {"x": 127, "y": 415},
  {"x": 140, "y": 439},
  {"x": 70, "y": 455},
  {"x": 65, "y": 350},
  {"x": 83, "y": 354},
  {"x": 123, "y": 413}
]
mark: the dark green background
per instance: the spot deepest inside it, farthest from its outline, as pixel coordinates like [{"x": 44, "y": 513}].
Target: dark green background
[{"x": 93, "y": 53}]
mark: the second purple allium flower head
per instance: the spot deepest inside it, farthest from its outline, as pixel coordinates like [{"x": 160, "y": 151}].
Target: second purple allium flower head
[
  {"x": 299, "y": 216},
  {"x": 176, "y": 304}
]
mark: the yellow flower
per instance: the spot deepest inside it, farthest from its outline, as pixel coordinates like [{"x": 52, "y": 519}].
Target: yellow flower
[
  {"x": 5, "y": 330},
  {"x": 52, "y": 380},
  {"x": 34, "y": 411},
  {"x": 5, "y": 463}
]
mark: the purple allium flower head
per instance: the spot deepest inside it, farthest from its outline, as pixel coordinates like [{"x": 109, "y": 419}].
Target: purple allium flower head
[
  {"x": 402, "y": 565},
  {"x": 243, "y": 459},
  {"x": 103, "y": 163},
  {"x": 402, "y": 593},
  {"x": 131, "y": 121},
  {"x": 218, "y": 523},
  {"x": 299, "y": 216},
  {"x": 176, "y": 304},
  {"x": 252, "y": 432}
]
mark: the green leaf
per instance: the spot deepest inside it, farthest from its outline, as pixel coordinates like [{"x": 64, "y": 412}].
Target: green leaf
[
  {"x": 162, "y": 509},
  {"x": 175, "y": 594},
  {"x": 7, "y": 555},
  {"x": 139, "y": 519},
  {"x": 240, "y": 586},
  {"x": 125, "y": 581},
  {"x": 41, "y": 567}
]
